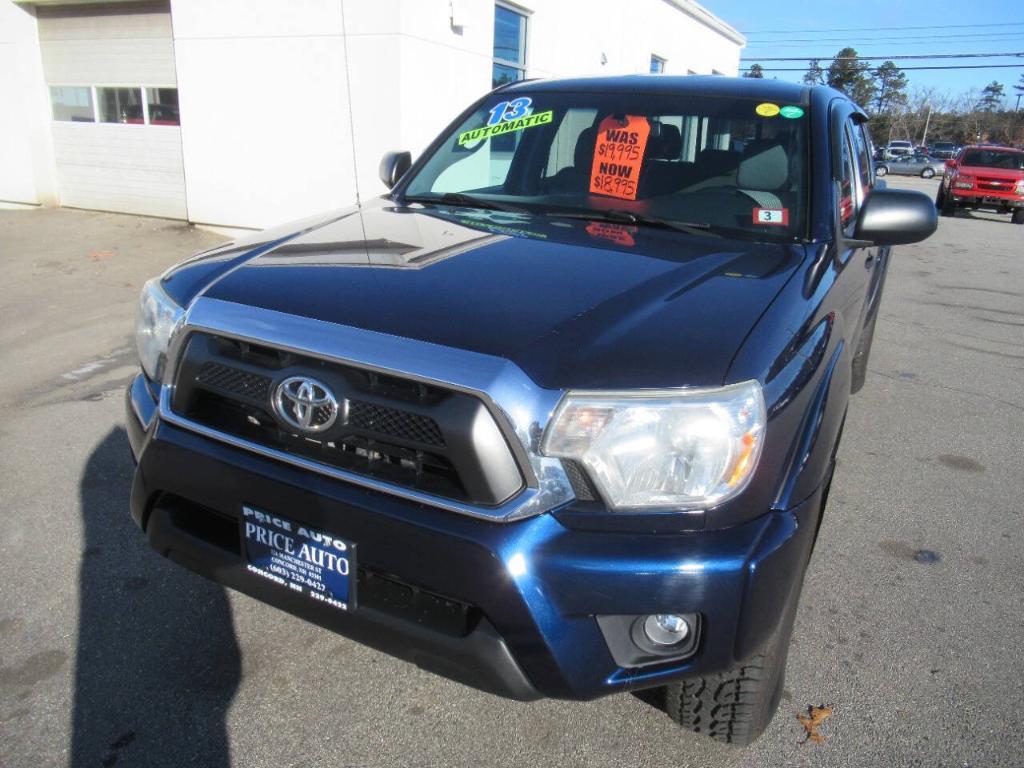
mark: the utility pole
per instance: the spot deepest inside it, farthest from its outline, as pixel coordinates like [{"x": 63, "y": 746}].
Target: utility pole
[{"x": 927, "y": 120}]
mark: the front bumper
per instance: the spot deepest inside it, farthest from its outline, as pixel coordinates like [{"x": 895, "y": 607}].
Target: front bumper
[
  {"x": 535, "y": 631},
  {"x": 987, "y": 199}
]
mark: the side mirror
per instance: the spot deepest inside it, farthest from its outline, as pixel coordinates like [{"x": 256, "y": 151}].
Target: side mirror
[
  {"x": 393, "y": 166},
  {"x": 895, "y": 217},
  {"x": 951, "y": 164}
]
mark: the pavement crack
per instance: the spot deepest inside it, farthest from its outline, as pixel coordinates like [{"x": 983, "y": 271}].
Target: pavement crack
[{"x": 968, "y": 392}]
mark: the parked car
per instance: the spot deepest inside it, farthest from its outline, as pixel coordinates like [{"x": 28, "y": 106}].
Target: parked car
[
  {"x": 556, "y": 421},
  {"x": 944, "y": 149},
  {"x": 897, "y": 148},
  {"x": 914, "y": 165},
  {"x": 984, "y": 177}
]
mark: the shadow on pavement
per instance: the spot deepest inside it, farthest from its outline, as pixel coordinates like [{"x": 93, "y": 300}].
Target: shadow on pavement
[{"x": 157, "y": 664}]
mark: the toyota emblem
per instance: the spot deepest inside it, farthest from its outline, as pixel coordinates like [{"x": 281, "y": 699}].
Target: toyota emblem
[{"x": 306, "y": 404}]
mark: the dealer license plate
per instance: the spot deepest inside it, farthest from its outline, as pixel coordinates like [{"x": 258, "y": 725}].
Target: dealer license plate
[{"x": 300, "y": 558}]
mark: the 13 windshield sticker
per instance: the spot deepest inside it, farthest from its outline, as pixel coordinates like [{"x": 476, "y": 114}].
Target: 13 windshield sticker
[{"x": 506, "y": 117}]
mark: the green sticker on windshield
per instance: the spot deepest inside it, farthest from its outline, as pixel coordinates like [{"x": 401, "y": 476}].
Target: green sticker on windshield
[
  {"x": 791, "y": 112},
  {"x": 519, "y": 124}
]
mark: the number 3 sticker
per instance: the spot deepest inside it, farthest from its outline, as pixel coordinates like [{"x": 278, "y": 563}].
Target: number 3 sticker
[{"x": 778, "y": 217}]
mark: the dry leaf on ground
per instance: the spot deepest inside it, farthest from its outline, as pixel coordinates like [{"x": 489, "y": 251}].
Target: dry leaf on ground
[{"x": 815, "y": 716}]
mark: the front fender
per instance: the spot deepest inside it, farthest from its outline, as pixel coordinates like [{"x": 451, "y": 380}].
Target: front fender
[{"x": 800, "y": 354}]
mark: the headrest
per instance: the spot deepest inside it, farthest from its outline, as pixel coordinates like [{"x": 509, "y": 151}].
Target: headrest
[
  {"x": 717, "y": 162},
  {"x": 583, "y": 157},
  {"x": 765, "y": 166},
  {"x": 666, "y": 145}
]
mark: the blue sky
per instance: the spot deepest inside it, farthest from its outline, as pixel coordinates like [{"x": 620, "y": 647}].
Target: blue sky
[{"x": 805, "y": 20}]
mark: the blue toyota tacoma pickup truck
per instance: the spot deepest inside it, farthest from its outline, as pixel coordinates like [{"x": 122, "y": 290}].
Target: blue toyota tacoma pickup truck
[{"x": 558, "y": 415}]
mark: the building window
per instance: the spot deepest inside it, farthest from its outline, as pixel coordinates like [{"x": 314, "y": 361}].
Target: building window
[
  {"x": 128, "y": 106},
  {"x": 72, "y": 104},
  {"x": 162, "y": 106},
  {"x": 509, "y": 45},
  {"x": 657, "y": 66},
  {"x": 120, "y": 105}
]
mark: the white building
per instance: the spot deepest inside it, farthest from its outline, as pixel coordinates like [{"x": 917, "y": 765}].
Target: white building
[{"x": 250, "y": 112}]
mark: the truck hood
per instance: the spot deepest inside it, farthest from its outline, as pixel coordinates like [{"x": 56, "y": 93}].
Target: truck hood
[{"x": 573, "y": 303}]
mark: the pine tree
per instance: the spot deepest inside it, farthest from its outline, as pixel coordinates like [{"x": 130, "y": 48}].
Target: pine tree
[
  {"x": 852, "y": 76},
  {"x": 815, "y": 75},
  {"x": 991, "y": 97}
]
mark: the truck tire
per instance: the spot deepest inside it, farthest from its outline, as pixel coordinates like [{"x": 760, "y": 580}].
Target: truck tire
[
  {"x": 735, "y": 706},
  {"x": 947, "y": 207},
  {"x": 1018, "y": 216}
]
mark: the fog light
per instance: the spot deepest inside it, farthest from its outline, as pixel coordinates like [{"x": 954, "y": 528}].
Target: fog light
[{"x": 666, "y": 629}]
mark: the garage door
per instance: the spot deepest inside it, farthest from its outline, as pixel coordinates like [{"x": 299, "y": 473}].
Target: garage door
[{"x": 114, "y": 97}]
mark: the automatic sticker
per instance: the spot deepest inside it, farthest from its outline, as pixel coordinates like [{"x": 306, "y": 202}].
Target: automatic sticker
[{"x": 507, "y": 117}]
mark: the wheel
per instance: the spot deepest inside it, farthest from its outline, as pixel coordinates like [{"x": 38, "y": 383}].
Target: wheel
[
  {"x": 927, "y": 173},
  {"x": 881, "y": 170},
  {"x": 948, "y": 207},
  {"x": 1018, "y": 216},
  {"x": 736, "y": 706}
]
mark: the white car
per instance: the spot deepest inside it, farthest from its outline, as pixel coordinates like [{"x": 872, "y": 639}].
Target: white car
[{"x": 900, "y": 148}]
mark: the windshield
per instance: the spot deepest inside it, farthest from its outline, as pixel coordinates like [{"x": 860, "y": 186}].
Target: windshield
[
  {"x": 735, "y": 165},
  {"x": 988, "y": 158}
]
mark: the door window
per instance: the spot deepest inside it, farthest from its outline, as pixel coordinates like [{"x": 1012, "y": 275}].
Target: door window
[{"x": 847, "y": 185}]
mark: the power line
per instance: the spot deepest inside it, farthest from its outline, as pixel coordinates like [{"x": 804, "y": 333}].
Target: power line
[
  {"x": 859, "y": 46},
  {"x": 979, "y": 36},
  {"x": 881, "y": 29},
  {"x": 1016, "y": 54},
  {"x": 909, "y": 69}
]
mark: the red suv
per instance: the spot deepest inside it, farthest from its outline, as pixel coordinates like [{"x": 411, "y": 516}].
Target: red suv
[{"x": 984, "y": 177}]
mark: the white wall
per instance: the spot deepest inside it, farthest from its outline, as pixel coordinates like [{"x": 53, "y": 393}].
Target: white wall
[
  {"x": 267, "y": 132},
  {"x": 413, "y": 72},
  {"x": 265, "y": 124},
  {"x": 26, "y": 151}
]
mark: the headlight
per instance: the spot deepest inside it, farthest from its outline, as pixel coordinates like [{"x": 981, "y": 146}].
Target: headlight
[
  {"x": 670, "y": 449},
  {"x": 157, "y": 320}
]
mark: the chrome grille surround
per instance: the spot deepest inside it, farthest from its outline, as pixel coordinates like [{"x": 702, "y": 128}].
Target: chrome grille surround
[{"x": 519, "y": 407}]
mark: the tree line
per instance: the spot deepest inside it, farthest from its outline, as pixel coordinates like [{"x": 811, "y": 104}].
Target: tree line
[{"x": 898, "y": 111}]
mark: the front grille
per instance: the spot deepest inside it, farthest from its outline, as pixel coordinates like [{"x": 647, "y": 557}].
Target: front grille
[
  {"x": 394, "y": 430},
  {"x": 389, "y": 421},
  {"x": 361, "y": 415},
  {"x": 994, "y": 185},
  {"x": 234, "y": 381}
]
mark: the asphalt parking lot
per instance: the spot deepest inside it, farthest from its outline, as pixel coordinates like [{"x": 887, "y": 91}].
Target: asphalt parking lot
[{"x": 911, "y": 626}]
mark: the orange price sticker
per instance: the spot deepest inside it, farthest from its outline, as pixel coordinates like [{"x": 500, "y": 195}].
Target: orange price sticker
[
  {"x": 618, "y": 155},
  {"x": 616, "y": 233}
]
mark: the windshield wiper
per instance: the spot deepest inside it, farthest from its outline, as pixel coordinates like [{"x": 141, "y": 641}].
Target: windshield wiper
[
  {"x": 618, "y": 216},
  {"x": 461, "y": 198}
]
